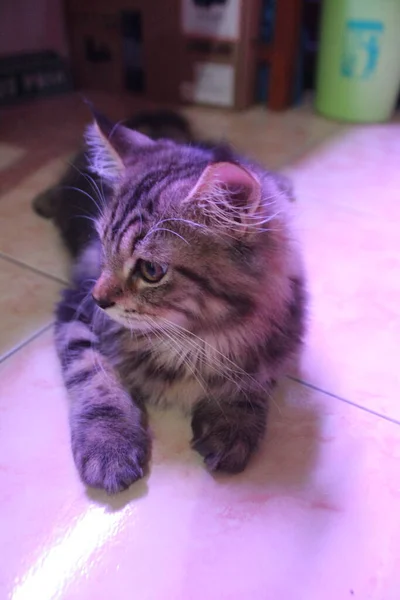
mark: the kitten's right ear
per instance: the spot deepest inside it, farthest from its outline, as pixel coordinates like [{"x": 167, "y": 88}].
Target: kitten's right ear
[{"x": 111, "y": 146}]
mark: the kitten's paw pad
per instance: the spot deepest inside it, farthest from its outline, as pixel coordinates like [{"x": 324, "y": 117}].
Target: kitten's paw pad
[
  {"x": 112, "y": 461},
  {"x": 224, "y": 449}
]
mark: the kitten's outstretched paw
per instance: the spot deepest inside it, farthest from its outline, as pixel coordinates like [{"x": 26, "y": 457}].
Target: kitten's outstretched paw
[{"x": 111, "y": 460}]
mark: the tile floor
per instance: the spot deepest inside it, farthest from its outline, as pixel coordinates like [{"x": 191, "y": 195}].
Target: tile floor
[{"x": 316, "y": 515}]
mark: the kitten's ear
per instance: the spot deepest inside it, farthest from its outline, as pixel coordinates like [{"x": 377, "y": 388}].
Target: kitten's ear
[
  {"x": 228, "y": 193},
  {"x": 111, "y": 146}
]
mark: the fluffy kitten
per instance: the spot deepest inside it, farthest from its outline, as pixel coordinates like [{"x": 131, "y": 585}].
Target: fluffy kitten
[{"x": 190, "y": 292}]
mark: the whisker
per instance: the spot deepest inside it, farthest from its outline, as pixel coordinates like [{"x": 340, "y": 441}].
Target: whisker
[
  {"x": 76, "y": 189},
  {"x": 186, "y": 221},
  {"x": 236, "y": 370},
  {"x": 200, "y": 381},
  {"x": 170, "y": 231},
  {"x": 92, "y": 182}
]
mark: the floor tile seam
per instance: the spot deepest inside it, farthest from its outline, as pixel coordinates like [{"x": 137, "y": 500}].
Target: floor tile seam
[
  {"x": 31, "y": 338},
  {"x": 330, "y": 394},
  {"x": 24, "y": 265}
]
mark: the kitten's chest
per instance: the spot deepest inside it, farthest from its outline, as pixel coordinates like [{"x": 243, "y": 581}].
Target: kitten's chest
[
  {"x": 163, "y": 374},
  {"x": 183, "y": 394}
]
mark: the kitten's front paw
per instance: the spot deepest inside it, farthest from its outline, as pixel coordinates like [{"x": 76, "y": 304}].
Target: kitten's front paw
[
  {"x": 224, "y": 447},
  {"x": 111, "y": 460},
  {"x": 220, "y": 455}
]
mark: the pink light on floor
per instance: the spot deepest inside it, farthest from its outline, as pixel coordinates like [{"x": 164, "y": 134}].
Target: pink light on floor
[{"x": 72, "y": 553}]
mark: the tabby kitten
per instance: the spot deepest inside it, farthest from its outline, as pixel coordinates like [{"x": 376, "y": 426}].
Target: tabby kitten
[{"x": 189, "y": 292}]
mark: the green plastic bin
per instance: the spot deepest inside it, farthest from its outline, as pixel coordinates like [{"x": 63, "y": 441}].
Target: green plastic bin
[{"x": 358, "y": 77}]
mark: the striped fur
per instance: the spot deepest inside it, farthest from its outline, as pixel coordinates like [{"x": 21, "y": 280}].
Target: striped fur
[{"x": 212, "y": 335}]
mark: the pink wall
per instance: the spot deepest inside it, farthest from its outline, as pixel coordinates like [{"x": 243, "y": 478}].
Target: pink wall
[{"x": 31, "y": 25}]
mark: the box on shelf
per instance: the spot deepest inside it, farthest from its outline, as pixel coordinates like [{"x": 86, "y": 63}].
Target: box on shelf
[
  {"x": 219, "y": 61},
  {"x": 196, "y": 51}
]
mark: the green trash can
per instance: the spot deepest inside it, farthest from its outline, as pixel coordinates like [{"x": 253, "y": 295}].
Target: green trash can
[{"x": 358, "y": 76}]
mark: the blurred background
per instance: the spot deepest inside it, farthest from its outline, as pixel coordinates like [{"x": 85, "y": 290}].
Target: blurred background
[
  {"x": 230, "y": 53},
  {"x": 216, "y": 52}
]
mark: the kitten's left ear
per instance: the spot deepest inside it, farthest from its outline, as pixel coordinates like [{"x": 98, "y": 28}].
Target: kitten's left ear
[
  {"x": 111, "y": 146},
  {"x": 228, "y": 193}
]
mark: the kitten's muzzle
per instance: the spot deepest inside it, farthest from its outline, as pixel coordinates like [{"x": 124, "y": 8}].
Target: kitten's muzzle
[
  {"x": 106, "y": 290},
  {"x": 103, "y": 303}
]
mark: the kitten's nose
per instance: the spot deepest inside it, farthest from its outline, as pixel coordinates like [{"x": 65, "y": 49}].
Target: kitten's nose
[{"x": 103, "y": 302}]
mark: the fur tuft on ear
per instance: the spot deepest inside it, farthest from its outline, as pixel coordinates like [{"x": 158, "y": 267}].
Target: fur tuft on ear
[
  {"x": 111, "y": 146},
  {"x": 228, "y": 196},
  {"x": 104, "y": 161}
]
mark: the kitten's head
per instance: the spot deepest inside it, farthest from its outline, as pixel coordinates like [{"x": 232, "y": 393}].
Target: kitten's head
[{"x": 186, "y": 235}]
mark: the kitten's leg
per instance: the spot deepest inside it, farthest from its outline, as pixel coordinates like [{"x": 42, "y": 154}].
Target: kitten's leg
[
  {"x": 109, "y": 443},
  {"x": 227, "y": 433}
]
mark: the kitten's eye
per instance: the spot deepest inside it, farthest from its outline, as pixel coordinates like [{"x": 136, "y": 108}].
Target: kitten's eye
[{"x": 151, "y": 272}]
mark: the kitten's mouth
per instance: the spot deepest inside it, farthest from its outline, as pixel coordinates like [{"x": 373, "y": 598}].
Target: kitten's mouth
[{"x": 133, "y": 320}]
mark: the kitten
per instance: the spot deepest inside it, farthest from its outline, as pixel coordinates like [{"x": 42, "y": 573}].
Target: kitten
[{"x": 189, "y": 292}]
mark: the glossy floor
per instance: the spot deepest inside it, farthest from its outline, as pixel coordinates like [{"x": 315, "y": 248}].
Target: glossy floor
[{"x": 316, "y": 515}]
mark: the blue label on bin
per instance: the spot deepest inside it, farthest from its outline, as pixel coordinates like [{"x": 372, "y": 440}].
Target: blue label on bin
[{"x": 361, "y": 51}]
